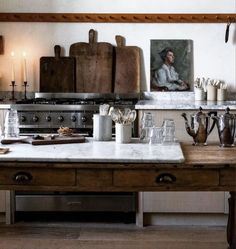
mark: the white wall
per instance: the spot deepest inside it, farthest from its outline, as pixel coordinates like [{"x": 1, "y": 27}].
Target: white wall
[{"x": 212, "y": 57}]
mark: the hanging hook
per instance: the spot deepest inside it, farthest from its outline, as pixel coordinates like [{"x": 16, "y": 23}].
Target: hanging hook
[{"x": 227, "y": 31}]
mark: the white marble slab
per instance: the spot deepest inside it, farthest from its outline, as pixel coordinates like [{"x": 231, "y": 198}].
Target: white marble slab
[
  {"x": 184, "y": 105},
  {"x": 181, "y": 101},
  {"x": 94, "y": 151}
]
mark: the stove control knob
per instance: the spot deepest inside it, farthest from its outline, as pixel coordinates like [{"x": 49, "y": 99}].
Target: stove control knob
[
  {"x": 48, "y": 118},
  {"x": 73, "y": 118},
  {"x": 60, "y": 118},
  {"x": 84, "y": 119},
  {"x": 35, "y": 118},
  {"x": 22, "y": 119}
]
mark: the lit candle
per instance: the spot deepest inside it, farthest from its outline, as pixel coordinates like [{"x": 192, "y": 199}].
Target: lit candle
[
  {"x": 12, "y": 67},
  {"x": 24, "y": 67}
]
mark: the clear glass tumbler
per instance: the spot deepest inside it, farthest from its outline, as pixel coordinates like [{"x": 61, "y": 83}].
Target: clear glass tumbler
[
  {"x": 168, "y": 130},
  {"x": 156, "y": 135},
  {"x": 11, "y": 125},
  {"x": 147, "y": 122}
]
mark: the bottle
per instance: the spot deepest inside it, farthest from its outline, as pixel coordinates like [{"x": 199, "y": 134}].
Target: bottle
[{"x": 11, "y": 125}]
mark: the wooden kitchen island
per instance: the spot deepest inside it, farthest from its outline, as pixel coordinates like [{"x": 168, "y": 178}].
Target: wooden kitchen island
[{"x": 157, "y": 168}]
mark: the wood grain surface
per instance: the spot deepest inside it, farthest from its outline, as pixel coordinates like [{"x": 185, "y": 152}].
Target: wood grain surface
[
  {"x": 46, "y": 140},
  {"x": 211, "y": 154},
  {"x": 127, "y": 67},
  {"x": 94, "y": 65},
  {"x": 119, "y": 17},
  {"x": 57, "y": 74}
]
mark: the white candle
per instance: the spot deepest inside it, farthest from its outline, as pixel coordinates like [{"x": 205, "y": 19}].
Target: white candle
[
  {"x": 12, "y": 67},
  {"x": 24, "y": 67}
]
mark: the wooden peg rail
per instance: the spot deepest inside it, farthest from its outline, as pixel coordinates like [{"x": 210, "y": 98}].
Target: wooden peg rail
[{"x": 117, "y": 18}]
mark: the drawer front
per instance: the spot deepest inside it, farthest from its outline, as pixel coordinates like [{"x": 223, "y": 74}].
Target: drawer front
[
  {"x": 152, "y": 178},
  {"x": 94, "y": 178},
  {"x": 36, "y": 177},
  {"x": 228, "y": 177}
]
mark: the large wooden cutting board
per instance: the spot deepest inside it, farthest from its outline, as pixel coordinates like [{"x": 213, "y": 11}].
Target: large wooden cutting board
[
  {"x": 127, "y": 67},
  {"x": 93, "y": 65},
  {"x": 57, "y": 74},
  {"x": 46, "y": 140}
]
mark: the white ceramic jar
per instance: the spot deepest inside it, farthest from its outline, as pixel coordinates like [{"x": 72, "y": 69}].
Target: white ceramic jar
[{"x": 123, "y": 133}]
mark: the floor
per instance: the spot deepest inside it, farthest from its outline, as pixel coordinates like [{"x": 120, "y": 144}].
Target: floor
[{"x": 71, "y": 235}]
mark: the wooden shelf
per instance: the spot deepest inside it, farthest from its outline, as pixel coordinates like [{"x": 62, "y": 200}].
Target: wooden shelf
[{"x": 118, "y": 18}]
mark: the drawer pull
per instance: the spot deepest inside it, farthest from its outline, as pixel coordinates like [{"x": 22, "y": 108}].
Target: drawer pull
[
  {"x": 165, "y": 178},
  {"x": 22, "y": 177}
]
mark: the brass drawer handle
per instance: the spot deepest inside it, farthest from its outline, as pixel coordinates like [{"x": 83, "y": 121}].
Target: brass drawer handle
[
  {"x": 22, "y": 177},
  {"x": 165, "y": 178}
]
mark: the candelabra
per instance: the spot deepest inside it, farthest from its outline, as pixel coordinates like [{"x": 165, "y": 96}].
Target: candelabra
[
  {"x": 25, "y": 86},
  {"x": 13, "y": 90}
]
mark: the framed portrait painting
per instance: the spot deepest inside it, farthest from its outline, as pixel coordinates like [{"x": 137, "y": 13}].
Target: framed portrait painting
[{"x": 171, "y": 65}]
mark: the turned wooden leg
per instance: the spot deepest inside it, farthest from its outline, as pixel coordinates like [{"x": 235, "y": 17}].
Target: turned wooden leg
[{"x": 231, "y": 227}]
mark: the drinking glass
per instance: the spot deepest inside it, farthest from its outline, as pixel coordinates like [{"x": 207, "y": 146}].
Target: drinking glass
[
  {"x": 147, "y": 122},
  {"x": 156, "y": 135},
  {"x": 168, "y": 130},
  {"x": 11, "y": 125}
]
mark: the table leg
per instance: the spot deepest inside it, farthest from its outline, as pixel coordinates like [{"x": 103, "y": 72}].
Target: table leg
[
  {"x": 10, "y": 207},
  {"x": 231, "y": 227}
]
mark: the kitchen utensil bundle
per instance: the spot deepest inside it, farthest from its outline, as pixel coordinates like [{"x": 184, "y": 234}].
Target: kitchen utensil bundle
[
  {"x": 213, "y": 89},
  {"x": 123, "y": 123},
  {"x": 126, "y": 116}
]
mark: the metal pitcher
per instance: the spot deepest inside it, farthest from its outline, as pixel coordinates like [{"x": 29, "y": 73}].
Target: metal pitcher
[
  {"x": 226, "y": 124},
  {"x": 200, "y": 126}
]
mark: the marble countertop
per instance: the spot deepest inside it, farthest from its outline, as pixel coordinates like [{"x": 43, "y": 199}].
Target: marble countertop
[
  {"x": 183, "y": 105},
  {"x": 95, "y": 151},
  {"x": 181, "y": 101}
]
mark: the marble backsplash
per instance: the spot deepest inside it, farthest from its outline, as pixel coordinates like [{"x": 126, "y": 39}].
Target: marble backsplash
[{"x": 177, "y": 96}]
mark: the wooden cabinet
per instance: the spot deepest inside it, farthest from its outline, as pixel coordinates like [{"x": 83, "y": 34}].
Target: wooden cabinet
[
  {"x": 184, "y": 202},
  {"x": 164, "y": 178},
  {"x": 37, "y": 177}
]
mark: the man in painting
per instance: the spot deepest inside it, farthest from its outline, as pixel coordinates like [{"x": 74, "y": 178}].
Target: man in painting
[{"x": 166, "y": 78}]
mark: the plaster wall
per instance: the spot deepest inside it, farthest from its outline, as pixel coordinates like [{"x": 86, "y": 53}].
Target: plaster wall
[{"x": 212, "y": 56}]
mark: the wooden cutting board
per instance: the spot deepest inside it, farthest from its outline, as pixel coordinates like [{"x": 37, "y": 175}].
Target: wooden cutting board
[
  {"x": 46, "y": 140},
  {"x": 127, "y": 67},
  {"x": 94, "y": 65},
  {"x": 57, "y": 74}
]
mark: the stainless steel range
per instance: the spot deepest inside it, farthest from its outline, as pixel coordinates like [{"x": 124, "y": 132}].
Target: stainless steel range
[
  {"x": 45, "y": 114},
  {"x": 48, "y": 111}
]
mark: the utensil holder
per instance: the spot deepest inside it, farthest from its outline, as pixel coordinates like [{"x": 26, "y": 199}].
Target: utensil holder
[
  {"x": 123, "y": 133},
  {"x": 102, "y": 127},
  {"x": 211, "y": 93},
  {"x": 199, "y": 94},
  {"x": 221, "y": 94}
]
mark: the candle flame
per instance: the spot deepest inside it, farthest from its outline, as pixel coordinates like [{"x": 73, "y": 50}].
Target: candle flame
[
  {"x": 24, "y": 54},
  {"x": 12, "y": 53}
]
